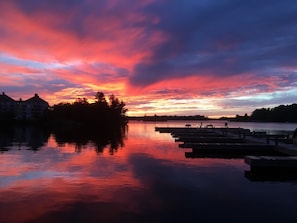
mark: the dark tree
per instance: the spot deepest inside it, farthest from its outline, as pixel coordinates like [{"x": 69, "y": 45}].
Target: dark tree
[
  {"x": 99, "y": 113},
  {"x": 281, "y": 113}
]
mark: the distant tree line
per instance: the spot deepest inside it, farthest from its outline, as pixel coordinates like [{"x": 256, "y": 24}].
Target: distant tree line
[
  {"x": 100, "y": 113},
  {"x": 281, "y": 113},
  {"x": 168, "y": 117}
]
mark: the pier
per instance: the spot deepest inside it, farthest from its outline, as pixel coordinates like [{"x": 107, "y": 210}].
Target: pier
[{"x": 258, "y": 149}]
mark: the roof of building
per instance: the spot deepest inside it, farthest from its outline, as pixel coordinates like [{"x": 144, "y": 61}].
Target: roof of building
[
  {"x": 36, "y": 99},
  {"x": 5, "y": 98}
]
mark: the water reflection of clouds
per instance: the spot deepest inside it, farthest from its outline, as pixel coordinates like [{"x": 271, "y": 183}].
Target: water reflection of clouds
[
  {"x": 80, "y": 183},
  {"x": 32, "y": 176},
  {"x": 146, "y": 181}
]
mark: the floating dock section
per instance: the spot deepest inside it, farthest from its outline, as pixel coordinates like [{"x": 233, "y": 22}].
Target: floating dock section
[
  {"x": 271, "y": 168},
  {"x": 272, "y": 162}
]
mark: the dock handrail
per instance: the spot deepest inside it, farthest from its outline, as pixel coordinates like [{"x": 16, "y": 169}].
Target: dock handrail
[{"x": 275, "y": 137}]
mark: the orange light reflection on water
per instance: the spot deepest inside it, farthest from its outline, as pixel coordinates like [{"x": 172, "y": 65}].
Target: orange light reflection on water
[{"x": 54, "y": 179}]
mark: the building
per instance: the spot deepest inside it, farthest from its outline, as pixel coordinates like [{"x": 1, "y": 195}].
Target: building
[
  {"x": 30, "y": 109},
  {"x": 7, "y": 104}
]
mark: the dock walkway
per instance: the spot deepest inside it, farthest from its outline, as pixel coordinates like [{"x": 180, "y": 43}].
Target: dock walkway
[{"x": 267, "y": 155}]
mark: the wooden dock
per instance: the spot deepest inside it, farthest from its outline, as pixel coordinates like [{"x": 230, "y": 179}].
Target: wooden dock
[
  {"x": 269, "y": 157},
  {"x": 228, "y": 142},
  {"x": 271, "y": 168},
  {"x": 272, "y": 162},
  {"x": 221, "y": 142},
  {"x": 226, "y": 146},
  {"x": 207, "y": 139},
  {"x": 271, "y": 175},
  {"x": 230, "y": 153}
]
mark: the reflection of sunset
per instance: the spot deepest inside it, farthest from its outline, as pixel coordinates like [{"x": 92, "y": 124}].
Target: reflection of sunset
[{"x": 147, "y": 176}]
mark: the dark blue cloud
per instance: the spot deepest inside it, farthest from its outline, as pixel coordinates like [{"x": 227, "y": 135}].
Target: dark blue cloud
[{"x": 223, "y": 38}]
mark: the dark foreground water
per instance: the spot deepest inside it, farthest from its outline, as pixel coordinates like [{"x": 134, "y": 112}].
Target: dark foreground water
[{"x": 143, "y": 178}]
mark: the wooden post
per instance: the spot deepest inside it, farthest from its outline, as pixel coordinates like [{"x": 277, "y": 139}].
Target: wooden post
[
  {"x": 267, "y": 139},
  {"x": 276, "y": 140}
]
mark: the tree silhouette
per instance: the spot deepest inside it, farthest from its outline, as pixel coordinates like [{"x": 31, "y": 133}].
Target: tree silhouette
[
  {"x": 281, "y": 113},
  {"x": 92, "y": 114}
]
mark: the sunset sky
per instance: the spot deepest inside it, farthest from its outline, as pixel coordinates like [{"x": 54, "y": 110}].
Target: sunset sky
[{"x": 174, "y": 57}]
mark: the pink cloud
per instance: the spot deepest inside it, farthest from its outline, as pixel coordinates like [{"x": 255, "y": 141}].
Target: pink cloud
[{"x": 148, "y": 48}]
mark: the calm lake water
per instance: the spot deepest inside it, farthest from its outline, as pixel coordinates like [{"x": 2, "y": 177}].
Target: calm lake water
[{"x": 144, "y": 177}]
